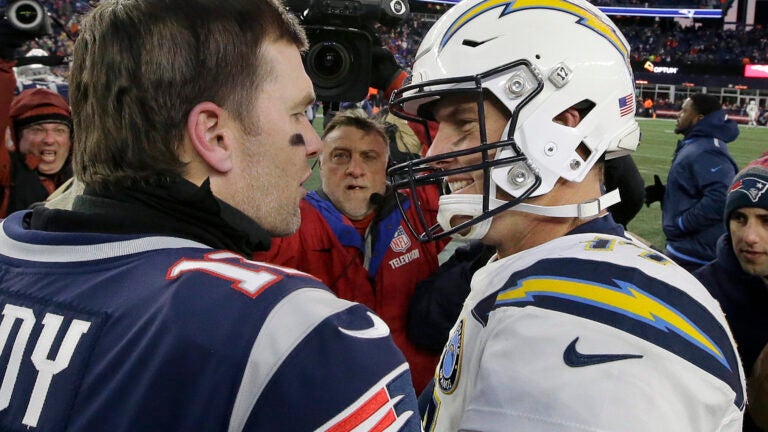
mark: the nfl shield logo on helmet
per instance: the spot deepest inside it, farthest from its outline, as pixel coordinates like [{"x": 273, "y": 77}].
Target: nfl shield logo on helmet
[{"x": 400, "y": 242}]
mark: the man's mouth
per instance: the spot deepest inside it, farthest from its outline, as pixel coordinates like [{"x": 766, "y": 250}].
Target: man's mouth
[
  {"x": 48, "y": 156},
  {"x": 751, "y": 254},
  {"x": 355, "y": 187},
  {"x": 457, "y": 185}
]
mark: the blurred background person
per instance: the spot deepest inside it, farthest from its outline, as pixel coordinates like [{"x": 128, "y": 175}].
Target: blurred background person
[
  {"x": 697, "y": 183},
  {"x": 41, "y": 129},
  {"x": 752, "y": 110},
  {"x": 738, "y": 278}
]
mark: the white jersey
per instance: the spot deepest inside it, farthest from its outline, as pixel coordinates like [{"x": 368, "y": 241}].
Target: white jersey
[{"x": 588, "y": 332}]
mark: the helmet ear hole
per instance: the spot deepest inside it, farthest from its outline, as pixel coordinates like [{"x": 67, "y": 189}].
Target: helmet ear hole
[
  {"x": 583, "y": 151},
  {"x": 584, "y": 107}
]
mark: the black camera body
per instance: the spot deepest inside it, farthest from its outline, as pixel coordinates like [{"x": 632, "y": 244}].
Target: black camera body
[
  {"x": 27, "y": 18},
  {"x": 342, "y": 36}
]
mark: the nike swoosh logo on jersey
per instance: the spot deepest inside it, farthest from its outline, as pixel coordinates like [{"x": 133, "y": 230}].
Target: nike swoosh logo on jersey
[
  {"x": 378, "y": 330},
  {"x": 715, "y": 168},
  {"x": 574, "y": 358}
]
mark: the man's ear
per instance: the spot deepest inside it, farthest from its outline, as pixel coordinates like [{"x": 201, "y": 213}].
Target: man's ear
[
  {"x": 211, "y": 136},
  {"x": 569, "y": 117}
]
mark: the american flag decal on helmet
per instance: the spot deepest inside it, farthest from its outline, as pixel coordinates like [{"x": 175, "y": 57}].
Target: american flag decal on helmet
[{"x": 626, "y": 105}]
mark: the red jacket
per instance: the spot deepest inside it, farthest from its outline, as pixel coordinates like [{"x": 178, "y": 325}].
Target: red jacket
[{"x": 328, "y": 247}]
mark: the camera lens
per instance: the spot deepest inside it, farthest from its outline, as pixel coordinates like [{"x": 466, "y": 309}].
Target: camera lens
[
  {"x": 329, "y": 63},
  {"x": 26, "y": 15}
]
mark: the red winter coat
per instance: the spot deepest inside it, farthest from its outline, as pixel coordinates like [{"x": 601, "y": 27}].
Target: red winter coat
[{"x": 328, "y": 247}]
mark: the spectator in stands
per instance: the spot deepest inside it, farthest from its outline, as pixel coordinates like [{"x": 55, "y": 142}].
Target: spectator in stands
[
  {"x": 702, "y": 169},
  {"x": 41, "y": 129},
  {"x": 141, "y": 300},
  {"x": 648, "y": 108},
  {"x": 738, "y": 278},
  {"x": 353, "y": 235}
]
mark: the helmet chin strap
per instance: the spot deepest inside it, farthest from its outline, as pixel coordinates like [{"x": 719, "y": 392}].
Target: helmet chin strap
[
  {"x": 582, "y": 210},
  {"x": 471, "y": 205},
  {"x": 464, "y": 205}
]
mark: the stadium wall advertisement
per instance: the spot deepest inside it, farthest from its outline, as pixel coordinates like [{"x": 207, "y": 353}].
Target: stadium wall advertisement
[{"x": 709, "y": 75}]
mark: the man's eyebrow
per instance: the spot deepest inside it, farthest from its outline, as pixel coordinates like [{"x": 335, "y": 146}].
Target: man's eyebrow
[
  {"x": 307, "y": 100},
  {"x": 454, "y": 110}
]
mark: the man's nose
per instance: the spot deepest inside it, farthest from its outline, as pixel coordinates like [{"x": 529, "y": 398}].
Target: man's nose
[
  {"x": 49, "y": 137},
  {"x": 355, "y": 167},
  {"x": 313, "y": 143},
  {"x": 751, "y": 232},
  {"x": 440, "y": 145}
]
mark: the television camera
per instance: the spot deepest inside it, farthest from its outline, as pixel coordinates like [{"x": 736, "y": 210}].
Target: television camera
[{"x": 342, "y": 38}]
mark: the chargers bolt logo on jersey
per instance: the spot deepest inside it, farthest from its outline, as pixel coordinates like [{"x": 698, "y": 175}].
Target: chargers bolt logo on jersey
[
  {"x": 623, "y": 298},
  {"x": 450, "y": 363}
]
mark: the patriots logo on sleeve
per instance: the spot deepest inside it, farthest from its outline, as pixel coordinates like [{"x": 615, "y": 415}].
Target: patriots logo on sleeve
[{"x": 376, "y": 410}]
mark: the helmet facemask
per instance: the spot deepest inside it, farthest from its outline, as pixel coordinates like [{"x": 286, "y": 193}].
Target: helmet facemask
[
  {"x": 503, "y": 153},
  {"x": 579, "y": 60}
]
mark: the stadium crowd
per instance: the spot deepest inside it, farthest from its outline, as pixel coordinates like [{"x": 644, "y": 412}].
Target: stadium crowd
[
  {"x": 692, "y": 45},
  {"x": 669, "y": 43}
]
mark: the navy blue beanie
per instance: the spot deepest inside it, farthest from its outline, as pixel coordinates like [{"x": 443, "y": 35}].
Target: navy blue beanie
[{"x": 749, "y": 188}]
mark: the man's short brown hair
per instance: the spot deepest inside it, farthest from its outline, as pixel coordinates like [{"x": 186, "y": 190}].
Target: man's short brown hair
[{"x": 141, "y": 66}]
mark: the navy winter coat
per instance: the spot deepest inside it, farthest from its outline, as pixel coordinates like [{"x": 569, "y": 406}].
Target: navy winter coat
[{"x": 697, "y": 184}]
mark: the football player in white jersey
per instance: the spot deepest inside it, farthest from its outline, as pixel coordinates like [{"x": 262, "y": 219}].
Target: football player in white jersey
[{"x": 572, "y": 325}]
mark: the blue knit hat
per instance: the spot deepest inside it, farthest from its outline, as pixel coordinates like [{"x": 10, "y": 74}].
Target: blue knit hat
[{"x": 749, "y": 188}]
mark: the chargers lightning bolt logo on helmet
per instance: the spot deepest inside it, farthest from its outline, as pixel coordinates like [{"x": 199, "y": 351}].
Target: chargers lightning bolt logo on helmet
[{"x": 586, "y": 18}]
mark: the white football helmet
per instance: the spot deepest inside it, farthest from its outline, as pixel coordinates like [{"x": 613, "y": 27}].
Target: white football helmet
[
  {"x": 539, "y": 58},
  {"x": 34, "y": 70}
]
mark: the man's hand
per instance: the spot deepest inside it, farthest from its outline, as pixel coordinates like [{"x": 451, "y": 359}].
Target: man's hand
[{"x": 655, "y": 192}]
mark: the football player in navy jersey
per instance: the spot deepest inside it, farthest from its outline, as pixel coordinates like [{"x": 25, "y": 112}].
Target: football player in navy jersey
[
  {"x": 572, "y": 324},
  {"x": 137, "y": 310}
]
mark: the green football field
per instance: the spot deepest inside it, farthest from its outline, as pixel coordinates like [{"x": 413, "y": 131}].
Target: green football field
[{"x": 654, "y": 156}]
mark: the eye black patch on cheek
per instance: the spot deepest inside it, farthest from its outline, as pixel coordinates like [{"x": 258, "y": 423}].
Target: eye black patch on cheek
[{"x": 296, "y": 140}]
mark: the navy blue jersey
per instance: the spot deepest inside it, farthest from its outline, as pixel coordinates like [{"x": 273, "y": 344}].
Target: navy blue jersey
[{"x": 104, "y": 332}]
